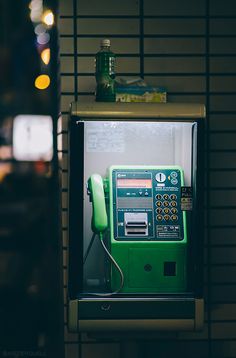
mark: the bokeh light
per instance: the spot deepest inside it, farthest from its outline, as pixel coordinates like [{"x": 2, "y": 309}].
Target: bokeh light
[
  {"x": 40, "y": 29},
  {"x": 36, "y": 10},
  {"x": 43, "y": 39},
  {"x": 48, "y": 18},
  {"x": 45, "y": 56},
  {"x": 42, "y": 82}
]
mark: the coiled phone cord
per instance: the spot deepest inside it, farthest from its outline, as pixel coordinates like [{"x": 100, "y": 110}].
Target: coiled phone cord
[{"x": 112, "y": 260}]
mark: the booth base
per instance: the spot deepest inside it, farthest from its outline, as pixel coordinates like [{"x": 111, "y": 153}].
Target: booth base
[{"x": 120, "y": 314}]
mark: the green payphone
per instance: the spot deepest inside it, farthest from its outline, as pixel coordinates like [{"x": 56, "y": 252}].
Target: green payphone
[{"x": 146, "y": 227}]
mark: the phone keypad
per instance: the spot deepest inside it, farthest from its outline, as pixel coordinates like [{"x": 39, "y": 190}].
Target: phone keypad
[{"x": 166, "y": 208}]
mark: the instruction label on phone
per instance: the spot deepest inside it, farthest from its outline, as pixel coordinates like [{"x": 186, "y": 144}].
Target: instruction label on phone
[{"x": 186, "y": 198}]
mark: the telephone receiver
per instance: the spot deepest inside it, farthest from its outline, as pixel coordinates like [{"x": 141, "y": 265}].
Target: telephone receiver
[
  {"x": 100, "y": 223},
  {"x": 97, "y": 196}
]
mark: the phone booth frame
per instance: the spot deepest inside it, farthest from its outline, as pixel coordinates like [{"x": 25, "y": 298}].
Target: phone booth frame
[{"x": 142, "y": 312}]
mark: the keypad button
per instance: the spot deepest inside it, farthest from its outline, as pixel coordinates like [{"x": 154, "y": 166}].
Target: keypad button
[
  {"x": 159, "y": 217},
  {"x": 166, "y": 196},
  {"x": 173, "y": 203},
  {"x": 166, "y": 210},
  {"x": 174, "y": 211},
  {"x": 167, "y": 217},
  {"x": 166, "y": 203},
  {"x": 158, "y": 203},
  {"x": 158, "y": 197},
  {"x": 173, "y": 197},
  {"x": 174, "y": 217},
  {"x": 158, "y": 210}
]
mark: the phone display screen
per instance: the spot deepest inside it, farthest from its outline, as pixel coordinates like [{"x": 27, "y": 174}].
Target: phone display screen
[{"x": 134, "y": 183}]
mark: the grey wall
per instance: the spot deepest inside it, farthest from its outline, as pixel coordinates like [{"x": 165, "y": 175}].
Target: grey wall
[{"x": 189, "y": 47}]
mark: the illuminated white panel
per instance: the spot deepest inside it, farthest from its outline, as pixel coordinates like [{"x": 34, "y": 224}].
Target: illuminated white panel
[{"x": 32, "y": 138}]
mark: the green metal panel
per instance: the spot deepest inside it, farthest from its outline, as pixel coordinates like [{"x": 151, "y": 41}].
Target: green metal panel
[{"x": 149, "y": 265}]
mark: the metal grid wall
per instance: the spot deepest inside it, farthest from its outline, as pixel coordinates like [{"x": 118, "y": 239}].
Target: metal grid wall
[{"x": 190, "y": 48}]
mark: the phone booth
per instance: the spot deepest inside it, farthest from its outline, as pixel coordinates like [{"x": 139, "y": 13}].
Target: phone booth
[{"x": 135, "y": 216}]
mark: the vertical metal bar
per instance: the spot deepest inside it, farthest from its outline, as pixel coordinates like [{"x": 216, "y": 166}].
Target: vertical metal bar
[
  {"x": 75, "y": 50},
  {"x": 75, "y": 8},
  {"x": 207, "y": 63},
  {"x": 141, "y": 38}
]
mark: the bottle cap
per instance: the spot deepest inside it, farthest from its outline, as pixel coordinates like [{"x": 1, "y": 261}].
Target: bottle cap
[{"x": 106, "y": 42}]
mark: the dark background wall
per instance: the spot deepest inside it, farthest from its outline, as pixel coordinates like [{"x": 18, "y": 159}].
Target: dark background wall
[
  {"x": 30, "y": 292},
  {"x": 190, "y": 48}
]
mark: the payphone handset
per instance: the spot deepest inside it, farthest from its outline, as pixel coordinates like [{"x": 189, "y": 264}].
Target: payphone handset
[
  {"x": 147, "y": 228},
  {"x": 99, "y": 216}
]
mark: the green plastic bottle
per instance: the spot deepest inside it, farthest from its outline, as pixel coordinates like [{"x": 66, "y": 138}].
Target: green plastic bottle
[{"x": 105, "y": 73}]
